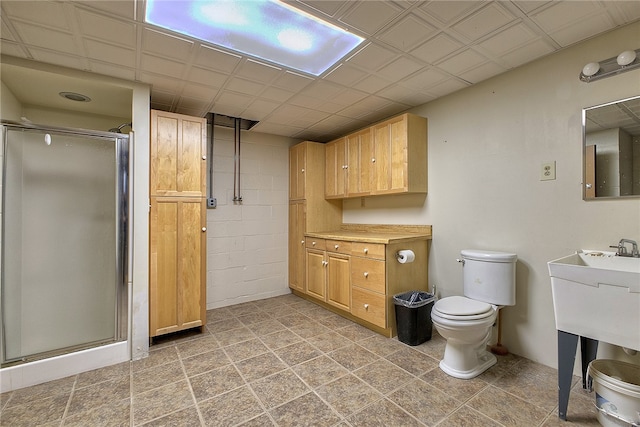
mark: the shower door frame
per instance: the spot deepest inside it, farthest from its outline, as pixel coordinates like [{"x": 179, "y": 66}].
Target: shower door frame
[{"x": 122, "y": 243}]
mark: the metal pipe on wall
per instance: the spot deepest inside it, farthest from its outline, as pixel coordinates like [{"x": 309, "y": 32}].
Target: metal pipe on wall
[{"x": 236, "y": 166}]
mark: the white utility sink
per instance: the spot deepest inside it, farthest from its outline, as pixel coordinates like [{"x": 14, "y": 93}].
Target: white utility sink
[{"x": 597, "y": 295}]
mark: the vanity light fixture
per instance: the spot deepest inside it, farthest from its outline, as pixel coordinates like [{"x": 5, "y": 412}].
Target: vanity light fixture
[
  {"x": 626, "y": 61},
  {"x": 271, "y": 30}
]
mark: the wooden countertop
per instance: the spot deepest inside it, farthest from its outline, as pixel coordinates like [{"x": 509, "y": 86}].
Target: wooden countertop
[{"x": 376, "y": 233}]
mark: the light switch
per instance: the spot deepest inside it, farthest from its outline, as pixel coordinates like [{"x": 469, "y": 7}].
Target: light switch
[{"x": 548, "y": 171}]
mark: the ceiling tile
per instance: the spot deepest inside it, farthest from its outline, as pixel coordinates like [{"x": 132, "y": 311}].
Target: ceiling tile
[
  {"x": 50, "y": 14},
  {"x": 372, "y": 84},
  {"x": 207, "y": 77},
  {"x": 580, "y": 30},
  {"x": 162, "y": 83},
  {"x": 195, "y": 91},
  {"x": 167, "y": 45},
  {"x": 372, "y": 57},
  {"x": 12, "y": 49},
  {"x": 42, "y": 37},
  {"x": 447, "y": 87},
  {"x": 258, "y": 71},
  {"x": 292, "y": 82},
  {"x": 193, "y": 103},
  {"x": 482, "y": 72},
  {"x": 436, "y": 48},
  {"x": 400, "y": 68},
  {"x": 259, "y": 109},
  {"x": 324, "y": 90},
  {"x": 124, "y": 9},
  {"x": 161, "y": 97},
  {"x": 110, "y": 53},
  {"x": 424, "y": 79},
  {"x": 164, "y": 66},
  {"x": 231, "y": 101},
  {"x": 328, "y": 7},
  {"x": 113, "y": 70},
  {"x": 407, "y": 32},
  {"x": 530, "y": 6},
  {"x": 276, "y": 129},
  {"x": 484, "y": 21},
  {"x": 527, "y": 53},
  {"x": 306, "y": 101},
  {"x": 276, "y": 94},
  {"x": 245, "y": 86},
  {"x": 345, "y": 75},
  {"x": 448, "y": 12},
  {"x": 106, "y": 28},
  {"x": 554, "y": 17},
  {"x": 509, "y": 39},
  {"x": 370, "y": 16},
  {"x": 462, "y": 62},
  {"x": 52, "y": 57},
  {"x": 349, "y": 96},
  {"x": 216, "y": 59}
]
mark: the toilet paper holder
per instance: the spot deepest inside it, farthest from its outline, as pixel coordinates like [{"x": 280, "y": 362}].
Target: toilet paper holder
[{"x": 405, "y": 256}]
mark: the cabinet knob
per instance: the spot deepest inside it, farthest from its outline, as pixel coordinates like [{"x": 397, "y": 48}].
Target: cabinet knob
[
  {"x": 325, "y": 263},
  {"x": 373, "y": 160},
  {"x": 313, "y": 243},
  {"x": 346, "y": 166},
  {"x": 204, "y": 228},
  {"x": 302, "y": 170},
  {"x": 204, "y": 157},
  {"x": 302, "y": 242},
  {"x": 366, "y": 251},
  {"x": 366, "y": 274},
  {"x": 336, "y": 246},
  {"x": 366, "y": 306}
]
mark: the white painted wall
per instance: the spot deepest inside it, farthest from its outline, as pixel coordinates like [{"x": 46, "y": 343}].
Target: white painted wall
[
  {"x": 486, "y": 146},
  {"x": 247, "y": 242}
]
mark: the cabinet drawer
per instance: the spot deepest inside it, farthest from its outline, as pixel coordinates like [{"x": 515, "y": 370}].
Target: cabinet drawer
[
  {"x": 368, "y": 306},
  {"x": 339, "y": 246},
  {"x": 313, "y": 243},
  {"x": 368, "y": 250},
  {"x": 368, "y": 274}
]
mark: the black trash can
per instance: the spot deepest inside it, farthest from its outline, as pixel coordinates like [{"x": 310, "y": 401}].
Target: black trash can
[{"x": 413, "y": 316}]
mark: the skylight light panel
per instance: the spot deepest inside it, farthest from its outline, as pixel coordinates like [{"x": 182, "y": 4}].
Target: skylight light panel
[{"x": 266, "y": 29}]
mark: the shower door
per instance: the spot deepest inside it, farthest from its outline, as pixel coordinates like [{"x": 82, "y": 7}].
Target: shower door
[{"x": 64, "y": 209}]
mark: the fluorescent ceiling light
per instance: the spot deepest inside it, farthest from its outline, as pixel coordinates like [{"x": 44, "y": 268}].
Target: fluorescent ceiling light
[{"x": 266, "y": 29}]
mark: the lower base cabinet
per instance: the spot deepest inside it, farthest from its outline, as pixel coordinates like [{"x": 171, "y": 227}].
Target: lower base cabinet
[{"x": 358, "y": 279}]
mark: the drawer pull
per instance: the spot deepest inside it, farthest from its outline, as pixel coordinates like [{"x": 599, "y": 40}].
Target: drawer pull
[
  {"x": 313, "y": 243},
  {"x": 366, "y": 274},
  {"x": 204, "y": 228},
  {"x": 325, "y": 263},
  {"x": 366, "y": 306},
  {"x": 302, "y": 242},
  {"x": 336, "y": 246},
  {"x": 302, "y": 170},
  {"x": 366, "y": 250}
]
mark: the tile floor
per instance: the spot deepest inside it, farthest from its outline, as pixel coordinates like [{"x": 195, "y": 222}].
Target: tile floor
[{"x": 287, "y": 362}]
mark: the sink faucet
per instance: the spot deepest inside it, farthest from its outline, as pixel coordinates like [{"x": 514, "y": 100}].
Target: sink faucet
[{"x": 622, "y": 249}]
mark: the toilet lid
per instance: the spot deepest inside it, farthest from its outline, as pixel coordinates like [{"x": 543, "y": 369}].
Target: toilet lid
[{"x": 462, "y": 307}]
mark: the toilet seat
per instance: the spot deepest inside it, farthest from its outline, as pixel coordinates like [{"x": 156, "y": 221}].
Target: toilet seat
[{"x": 462, "y": 309}]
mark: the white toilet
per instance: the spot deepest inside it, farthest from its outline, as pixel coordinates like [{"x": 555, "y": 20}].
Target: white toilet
[{"x": 489, "y": 281}]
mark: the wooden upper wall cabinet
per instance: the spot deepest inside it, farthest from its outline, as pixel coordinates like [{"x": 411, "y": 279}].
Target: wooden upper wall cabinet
[
  {"x": 178, "y": 155},
  {"x": 399, "y": 155},
  {"x": 387, "y": 158}
]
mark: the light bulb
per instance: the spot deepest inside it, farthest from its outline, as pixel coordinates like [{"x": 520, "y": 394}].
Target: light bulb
[
  {"x": 626, "y": 57},
  {"x": 590, "y": 69}
]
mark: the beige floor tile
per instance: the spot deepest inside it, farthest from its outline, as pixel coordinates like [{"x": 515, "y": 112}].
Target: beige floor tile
[
  {"x": 280, "y": 339},
  {"x": 112, "y": 414},
  {"x": 412, "y": 361},
  {"x": 309, "y": 329},
  {"x": 244, "y": 308},
  {"x": 161, "y": 401},
  {"x": 319, "y": 371},
  {"x": 306, "y": 411},
  {"x": 156, "y": 357},
  {"x": 187, "y": 417},
  {"x": 36, "y": 412},
  {"x": 205, "y": 362},
  {"x": 330, "y": 341},
  {"x": 348, "y": 394},
  {"x": 260, "y": 366},
  {"x": 380, "y": 345},
  {"x": 355, "y": 332},
  {"x": 42, "y": 391},
  {"x": 383, "y": 414},
  {"x": 196, "y": 346},
  {"x": 461, "y": 390},
  {"x": 99, "y": 394},
  {"x": 103, "y": 374},
  {"x": 297, "y": 353},
  {"x": 279, "y": 388},
  {"x": 157, "y": 377},
  {"x": 353, "y": 357},
  {"x": 384, "y": 376},
  {"x": 230, "y": 408},
  {"x": 267, "y": 327},
  {"x": 292, "y": 319},
  {"x": 426, "y": 403},
  {"x": 234, "y": 336},
  {"x": 213, "y": 383},
  {"x": 467, "y": 417},
  {"x": 263, "y": 420},
  {"x": 506, "y": 408},
  {"x": 245, "y": 350}
]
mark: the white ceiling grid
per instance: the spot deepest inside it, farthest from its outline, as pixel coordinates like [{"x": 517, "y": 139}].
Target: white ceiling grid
[{"x": 415, "y": 51}]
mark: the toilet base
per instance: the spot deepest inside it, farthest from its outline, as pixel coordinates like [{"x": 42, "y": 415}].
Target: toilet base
[{"x": 485, "y": 361}]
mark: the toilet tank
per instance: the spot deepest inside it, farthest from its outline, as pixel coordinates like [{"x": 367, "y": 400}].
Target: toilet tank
[{"x": 489, "y": 276}]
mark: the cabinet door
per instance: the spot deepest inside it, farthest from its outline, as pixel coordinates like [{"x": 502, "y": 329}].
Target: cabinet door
[
  {"x": 178, "y": 155},
  {"x": 335, "y": 169},
  {"x": 316, "y": 274},
  {"x": 297, "y": 171},
  {"x": 338, "y": 280},
  {"x": 359, "y": 164},
  {"x": 177, "y": 267},
  {"x": 297, "y": 212},
  {"x": 389, "y": 162}
]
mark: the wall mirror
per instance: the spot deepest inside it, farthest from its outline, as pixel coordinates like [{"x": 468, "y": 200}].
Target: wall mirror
[{"x": 611, "y": 148}]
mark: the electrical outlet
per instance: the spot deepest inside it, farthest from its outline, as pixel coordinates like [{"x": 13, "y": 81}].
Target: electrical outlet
[
  {"x": 212, "y": 202},
  {"x": 548, "y": 171}
]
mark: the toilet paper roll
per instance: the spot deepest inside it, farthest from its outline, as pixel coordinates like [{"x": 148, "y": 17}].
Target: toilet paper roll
[{"x": 405, "y": 256}]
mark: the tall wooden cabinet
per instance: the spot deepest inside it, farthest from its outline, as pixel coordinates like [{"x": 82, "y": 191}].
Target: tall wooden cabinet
[
  {"x": 308, "y": 209},
  {"x": 177, "y": 235}
]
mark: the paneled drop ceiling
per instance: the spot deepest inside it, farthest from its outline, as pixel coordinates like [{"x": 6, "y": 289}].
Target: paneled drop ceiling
[{"x": 414, "y": 52}]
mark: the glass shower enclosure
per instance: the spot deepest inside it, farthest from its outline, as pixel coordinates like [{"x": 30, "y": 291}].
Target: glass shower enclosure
[{"x": 64, "y": 241}]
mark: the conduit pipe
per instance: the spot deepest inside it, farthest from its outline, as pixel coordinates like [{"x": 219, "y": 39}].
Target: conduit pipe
[{"x": 236, "y": 165}]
